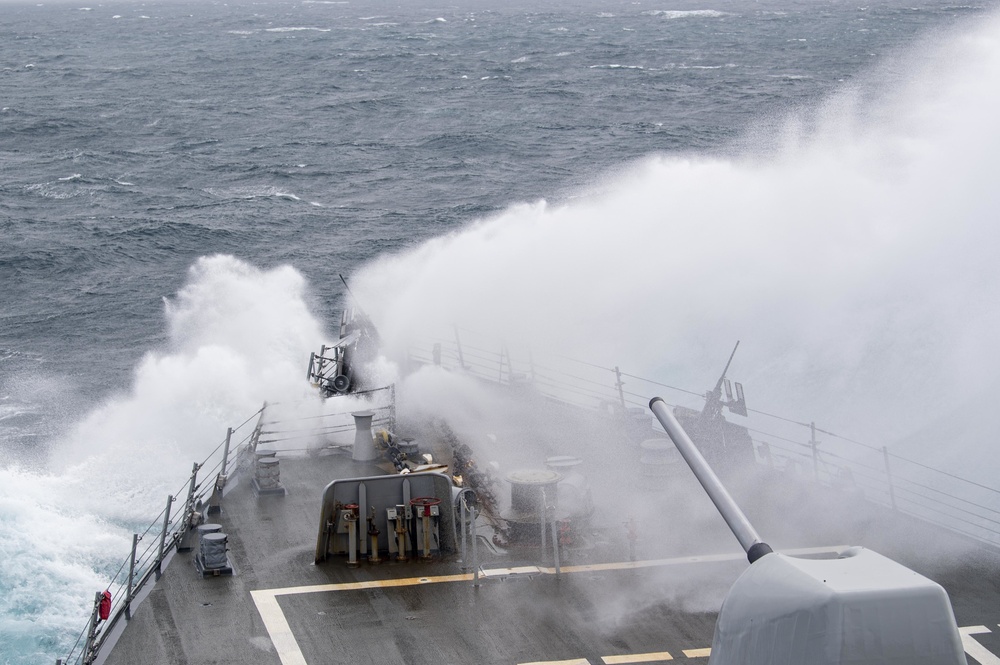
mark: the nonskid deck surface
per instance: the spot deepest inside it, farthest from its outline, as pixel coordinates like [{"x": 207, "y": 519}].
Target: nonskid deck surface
[
  {"x": 586, "y": 607},
  {"x": 279, "y": 607}
]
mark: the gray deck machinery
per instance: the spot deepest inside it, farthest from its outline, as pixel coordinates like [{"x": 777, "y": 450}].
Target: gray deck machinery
[{"x": 859, "y": 609}]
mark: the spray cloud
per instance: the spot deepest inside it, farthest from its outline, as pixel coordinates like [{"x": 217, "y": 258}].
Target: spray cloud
[{"x": 853, "y": 256}]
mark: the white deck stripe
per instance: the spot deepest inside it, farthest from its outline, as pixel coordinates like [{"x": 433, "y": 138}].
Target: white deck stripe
[
  {"x": 654, "y": 657},
  {"x": 974, "y": 648},
  {"x": 290, "y": 654},
  {"x": 278, "y": 628}
]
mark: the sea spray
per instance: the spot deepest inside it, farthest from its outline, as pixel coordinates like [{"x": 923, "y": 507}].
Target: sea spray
[
  {"x": 853, "y": 257},
  {"x": 238, "y": 336}
]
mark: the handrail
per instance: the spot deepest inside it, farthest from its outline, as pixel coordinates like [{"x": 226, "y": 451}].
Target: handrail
[
  {"x": 831, "y": 469},
  {"x": 146, "y": 563},
  {"x": 923, "y": 488}
]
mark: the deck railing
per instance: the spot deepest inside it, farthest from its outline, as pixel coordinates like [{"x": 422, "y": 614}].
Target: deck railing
[
  {"x": 791, "y": 446},
  {"x": 886, "y": 478},
  {"x": 154, "y": 545}
]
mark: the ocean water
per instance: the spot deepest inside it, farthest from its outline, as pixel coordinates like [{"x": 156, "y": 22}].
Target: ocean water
[{"x": 181, "y": 183}]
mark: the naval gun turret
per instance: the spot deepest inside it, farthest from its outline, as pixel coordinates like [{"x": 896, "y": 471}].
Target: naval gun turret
[
  {"x": 727, "y": 446},
  {"x": 859, "y": 609}
]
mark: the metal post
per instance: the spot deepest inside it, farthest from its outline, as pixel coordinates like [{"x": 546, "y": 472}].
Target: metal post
[
  {"x": 475, "y": 552},
  {"x": 541, "y": 521},
  {"x": 436, "y": 353},
  {"x": 163, "y": 535},
  {"x": 765, "y": 449},
  {"x": 225, "y": 451},
  {"x": 555, "y": 546},
  {"x": 632, "y": 533},
  {"x": 188, "y": 517},
  {"x": 425, "y": 526},
  {"x": 531, "y": 365},
  {"x": 888, "y": 478},
  {"x": 465, "y": 527},
  {"x": 352, "y": 545},
  {"x": 131, "y": 578},
  {"x": 618, "y": 384},
  {"x": 91, "y": 630},
  {"x": 373, "y": 534},
  {"x": 189, "y": 504},
  {"x": 255, "y": 436},
  {"x": 813, "y": 443},
  {"x": 458, "y": 345}
]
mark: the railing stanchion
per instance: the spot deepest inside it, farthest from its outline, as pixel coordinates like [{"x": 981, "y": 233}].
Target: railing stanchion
[
  {"x": 619, "y": 384},
  {"x": 131, "y": 578},
  {"x": 813, "y": 443},
  {"x": 888, "y": 478},
  {"x": 163, "y": 535},
  {"x": 465, "y": 527},
  {"x": 458, "y": 345},
  {"x": 475, "y": 554},
  {"x": 88, "y": 657},
  {"x": 189, "y": 504},
  {"x": 555, "y": 544},
  {"x": 225, "y": 451},
  {"x": 187, "y": 519}
]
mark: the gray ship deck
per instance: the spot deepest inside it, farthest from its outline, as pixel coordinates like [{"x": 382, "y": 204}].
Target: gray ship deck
[{"x": 280, "y": 607}]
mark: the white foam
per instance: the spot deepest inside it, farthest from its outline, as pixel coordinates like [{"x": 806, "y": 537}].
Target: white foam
[
  {"x": 616, "y": 66},
  {"x": 237, "y": 336},
  {"x": 849, "y": 256},
  {"x": 691, "y": 13},
  {"x": 297, "y": 29},
  {"x": 251, "y": 192}
]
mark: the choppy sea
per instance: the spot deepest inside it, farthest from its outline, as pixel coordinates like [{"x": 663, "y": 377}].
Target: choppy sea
[{"x": 182, "y": 182}]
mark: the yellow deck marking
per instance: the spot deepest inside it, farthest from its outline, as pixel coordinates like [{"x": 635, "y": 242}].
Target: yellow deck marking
[
  {"x": 290, "y": 654},
  {"x": 654, "y": 657},
  {"x": 572, "y": 661},
  {"x": 370, "y": 584},
  {"x": 697, "y": 653}
]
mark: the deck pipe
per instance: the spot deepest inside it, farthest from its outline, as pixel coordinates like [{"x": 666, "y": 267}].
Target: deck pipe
[{"x": 738, "y": 523}]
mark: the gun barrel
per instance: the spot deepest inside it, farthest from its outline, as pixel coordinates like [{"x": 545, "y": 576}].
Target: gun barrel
[{"x": 730, "y": 511}]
